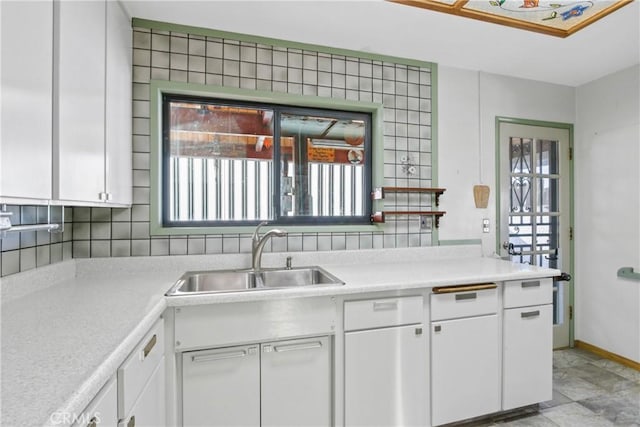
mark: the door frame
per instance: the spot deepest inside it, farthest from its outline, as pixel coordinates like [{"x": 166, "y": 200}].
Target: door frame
[{"x": 557, "y": 125}]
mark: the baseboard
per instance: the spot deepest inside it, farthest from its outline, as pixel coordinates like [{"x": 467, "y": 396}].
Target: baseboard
[{"x": 607, "y": 355}]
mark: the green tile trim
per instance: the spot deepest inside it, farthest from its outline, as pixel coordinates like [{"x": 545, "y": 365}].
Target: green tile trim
[
  {"x": 435, "y": 233},
  {"x": 158, "y": 87},
  {"x": 207, "y": 32}
]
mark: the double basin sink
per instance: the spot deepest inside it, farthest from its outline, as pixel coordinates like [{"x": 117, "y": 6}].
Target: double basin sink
[{"x": 215, "y": 281}]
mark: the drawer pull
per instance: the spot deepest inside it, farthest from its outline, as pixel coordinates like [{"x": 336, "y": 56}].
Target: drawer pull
[
  {"x": 418, "y": 331},
  {"x": 93, "y": 422},
  {"x": 147, "y": 348},
  {"x": 530, "y": 314},
  {"x": 437, "y": 328},
  {"x": 219, "y": 356},
  {"x": 297, "y": 347},
  {"x": 532, "y": 284},
  {"x": 462, "y": 297},
  {"x": 381, "y": 306},
  {"x": 463, "y": 288}
]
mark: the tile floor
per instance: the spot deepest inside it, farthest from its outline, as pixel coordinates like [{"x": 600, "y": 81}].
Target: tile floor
[{"x": 588, "y": 391}]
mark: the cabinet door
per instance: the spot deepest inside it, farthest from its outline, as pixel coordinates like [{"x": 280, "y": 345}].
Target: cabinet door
[
  {"x": 221, "y": 387},
  {"x": 118, "y": 106},
  {"x": 25, "y": 104},
  {"x": 296, "y": 383},
  {"x": 465, "y": 368},
  {"x": 148, "y": 411},
  {"x": 528, "y": 356},
  {"x": 79, "y": 94},
  {"x": 103, "y": 409},
  {"x": 385, "y": 377}
]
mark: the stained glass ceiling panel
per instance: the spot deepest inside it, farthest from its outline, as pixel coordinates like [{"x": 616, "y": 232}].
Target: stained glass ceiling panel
[{"x": 553, "y": 17}]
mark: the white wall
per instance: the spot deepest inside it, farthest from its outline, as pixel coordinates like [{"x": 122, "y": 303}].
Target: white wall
[
  {"x": 458, "y": 165},
  {"x": 607, "y": 192}
]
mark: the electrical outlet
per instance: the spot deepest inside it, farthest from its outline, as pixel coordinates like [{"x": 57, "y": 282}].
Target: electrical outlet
[
  {"x": 485, "y": 225},
  {"x": 425, "y": 222}
]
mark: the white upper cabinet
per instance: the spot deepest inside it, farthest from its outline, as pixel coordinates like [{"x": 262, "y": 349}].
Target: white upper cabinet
[
  {"x": 92, "y": 104},
  {"x": 79, "y": 75},
  {"x": 118, "y": 170},
  {"x": 25, "y": 104}
]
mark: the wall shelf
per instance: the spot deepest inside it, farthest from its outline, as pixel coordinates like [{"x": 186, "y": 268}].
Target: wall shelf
[
  {"x": 380, "y": 216},
  {"x": 380, "y": 192}
]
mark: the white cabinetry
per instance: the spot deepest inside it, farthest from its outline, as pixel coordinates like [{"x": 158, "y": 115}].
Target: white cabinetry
[
  {"x": 296, "y": 379},
  {"x": 25, "y": 104},
  {"x": 465, "y": 355},
  {"x": 221, "y": 387},
  {"x": 283, "y": 383},
  {"x": 527, "y": 343},
  {"x": 385, "y": 363},
  {"x": 103, "y": 409},
  {"x": 141, "y": 382},
  {"x": 118, "y": 136},
  {"x": 92, "y": 103}
]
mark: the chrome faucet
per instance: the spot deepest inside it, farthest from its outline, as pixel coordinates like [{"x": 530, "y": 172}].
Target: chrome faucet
[{"x": 257, "y": 243}]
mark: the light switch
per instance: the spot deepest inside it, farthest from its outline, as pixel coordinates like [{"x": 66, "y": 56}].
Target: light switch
[{"x": 485, "y": 225}]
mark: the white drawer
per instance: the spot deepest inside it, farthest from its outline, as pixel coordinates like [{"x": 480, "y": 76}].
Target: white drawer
[
  {"x": 464, "y": 303},
  {"x": 522, "y": 293},
  {"x": 138, "y": 367},
  {"x": 375, "y": 313}
]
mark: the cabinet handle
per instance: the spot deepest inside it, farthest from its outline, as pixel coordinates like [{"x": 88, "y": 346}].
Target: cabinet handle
[
  {"x": 437, "y": 328},
  {"x": 296, "y": 347},
  {"x": 380, "y": 306},
  {"x": 147, "y": 348},
  {"x": 532, "y": 284},
  {"x": 93, "y": 422},
  {"x": 461, "y": 297},
  {"x": 132, "y": 421},
  {"x": 463, "y": 288},
  {"x": 219, "y": 356},
  {"x": 418, "y": 331},
  {"x": 530, "y": 314}
]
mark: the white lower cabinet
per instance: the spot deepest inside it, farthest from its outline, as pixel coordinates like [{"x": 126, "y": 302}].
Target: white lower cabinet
[
  {"x": 282, "y": 383},
  {"x": 385, "y": 362},
  {"x": 148, "y": 410},
  {"x": 103, "y": 409},
  {"x": 141, "y": 382},
  {"x": 527, "y": 365},
  {"x": 465, "y": 356},
  {"x": 385, "y": 377}
]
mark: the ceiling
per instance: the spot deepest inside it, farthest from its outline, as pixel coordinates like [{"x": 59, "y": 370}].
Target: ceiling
[{"x": 608, "y": 45}]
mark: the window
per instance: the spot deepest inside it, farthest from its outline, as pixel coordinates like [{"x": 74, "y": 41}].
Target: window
[{"x": 238, "y": 163}]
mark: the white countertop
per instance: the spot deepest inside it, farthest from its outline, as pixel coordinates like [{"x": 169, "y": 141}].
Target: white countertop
[{"x": 66, "y": 328}]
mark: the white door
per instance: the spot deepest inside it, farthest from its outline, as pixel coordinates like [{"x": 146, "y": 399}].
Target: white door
[
  {"x": 465, "y": 368},
  {"x": 385, "y": 377},
  {"x": 148, "y": 411},
  {"x": 535, "y": 202},
  {"x": 296, "y": 383},
  {"x": 25, "y": 104},
  {"x": 527, "y": 362},
  {"x": 221, "y": 387}
]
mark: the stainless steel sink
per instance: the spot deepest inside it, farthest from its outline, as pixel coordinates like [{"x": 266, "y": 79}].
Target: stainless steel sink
[{"x": 202, "y": 282}]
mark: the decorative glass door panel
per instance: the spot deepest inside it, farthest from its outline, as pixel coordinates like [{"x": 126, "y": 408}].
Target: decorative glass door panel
[{"x": 534, "y": 206}]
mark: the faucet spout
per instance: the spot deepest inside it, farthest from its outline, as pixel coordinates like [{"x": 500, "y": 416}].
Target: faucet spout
[{"x": 257, "y": 244}]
